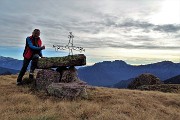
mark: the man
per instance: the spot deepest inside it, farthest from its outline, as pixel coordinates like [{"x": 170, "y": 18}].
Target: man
[{"x": 32, "y": 52}]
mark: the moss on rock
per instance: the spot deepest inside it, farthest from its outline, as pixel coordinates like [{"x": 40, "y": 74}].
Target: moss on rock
[{"x": 71, "y": 60}]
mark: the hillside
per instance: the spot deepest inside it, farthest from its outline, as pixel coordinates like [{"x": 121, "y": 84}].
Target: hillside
[
  {"x": 173, "y": 80},
  {"x": 123, "y": 83},
  {"x": 7, "y": 70},
  {"x": 21, "y": 102},
  {"x": 108, "y": 73},
  {"x": 11, "y": 63}
]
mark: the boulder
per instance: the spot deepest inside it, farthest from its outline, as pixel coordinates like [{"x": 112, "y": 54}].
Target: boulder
[
  {"x": 52, "y": 62},
  {"x": 62, "y": 75},
  {"x": 144, "y": 79},
  {"x": 69, "y": 75},
  {"x": 70, "y": 91},
  {"x": 45, "y": 77}
]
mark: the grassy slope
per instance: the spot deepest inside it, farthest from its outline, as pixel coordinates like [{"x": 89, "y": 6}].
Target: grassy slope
[{"x": 103, "y": 104}]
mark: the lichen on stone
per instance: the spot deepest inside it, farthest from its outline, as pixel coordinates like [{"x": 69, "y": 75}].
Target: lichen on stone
[{"x": 71, "y": 60}]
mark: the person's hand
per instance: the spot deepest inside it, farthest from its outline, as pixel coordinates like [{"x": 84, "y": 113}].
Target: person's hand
[
  {"x": 43, "y": 57},
  {"x": 43, "y": 47}
]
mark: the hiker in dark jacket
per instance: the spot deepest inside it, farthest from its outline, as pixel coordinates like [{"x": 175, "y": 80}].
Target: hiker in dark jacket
[{"x": 32, "y": 52}]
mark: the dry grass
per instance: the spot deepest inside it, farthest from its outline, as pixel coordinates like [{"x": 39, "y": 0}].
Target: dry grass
[{"x": 22, "y": 103}]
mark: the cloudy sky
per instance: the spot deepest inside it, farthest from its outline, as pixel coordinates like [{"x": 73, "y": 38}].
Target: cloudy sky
[{"x": 136, "y": 31}]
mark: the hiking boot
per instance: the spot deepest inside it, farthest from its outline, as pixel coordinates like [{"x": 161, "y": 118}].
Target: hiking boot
[
  {"x": 19, "y": 83},
  {"x": 31, "y": 75}
]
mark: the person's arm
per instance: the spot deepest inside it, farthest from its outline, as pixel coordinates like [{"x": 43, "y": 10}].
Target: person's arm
[
  {"x": 40, "y": 54},
  {"x": 31, "y": 45}
]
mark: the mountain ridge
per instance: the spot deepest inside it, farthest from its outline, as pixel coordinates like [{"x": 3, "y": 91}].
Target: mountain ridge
[
  {"x": 10, "y": 63},
  {"x": 110, "y": 72},
  {"x": 173, "y": 80},
  {"x": 7, "y": 71}
]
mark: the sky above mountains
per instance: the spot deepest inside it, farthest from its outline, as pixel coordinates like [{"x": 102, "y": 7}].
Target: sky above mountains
[{"x": 137, "y": 31}]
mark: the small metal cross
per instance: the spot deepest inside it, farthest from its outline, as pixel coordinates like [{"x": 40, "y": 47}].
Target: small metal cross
[{"x": 69, "y": 46}]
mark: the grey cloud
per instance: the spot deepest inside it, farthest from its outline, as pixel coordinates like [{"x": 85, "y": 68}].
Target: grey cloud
[
  {"x": 167, "y": 28},
  {"x": 177, "y": 36},
  {"x": 141, "y": 38},
  {"x": 133, "y": 23},
  {"x": 126, "y": 23},
  {"x": 146, "y": 43},
  {"x": 144, "y": 46},
  {"x": 58, "y": 20}
]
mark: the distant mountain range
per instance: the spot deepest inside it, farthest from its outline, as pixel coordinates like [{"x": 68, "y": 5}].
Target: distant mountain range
[
  {"x": 7, "y": 71},
  {"x": 11, "y": 63},
  {"x": 108, "y": 73}
]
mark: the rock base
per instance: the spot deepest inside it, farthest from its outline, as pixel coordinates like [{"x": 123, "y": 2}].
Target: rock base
[
  {"x": 62, "y": 82},
  {"x": 45, "y": 77},
  {"x": 67, "y": 90}
]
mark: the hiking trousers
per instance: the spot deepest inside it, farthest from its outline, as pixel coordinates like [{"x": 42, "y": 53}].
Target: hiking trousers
[{"x": 26, "y": 62}]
